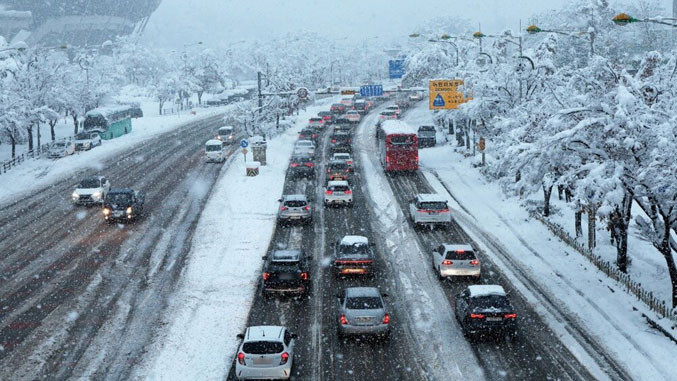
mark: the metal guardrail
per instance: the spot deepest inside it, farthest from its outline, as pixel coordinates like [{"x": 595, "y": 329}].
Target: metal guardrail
[
  {"x": 6, "y": 165},
  {"x": 647, "y": 297}
]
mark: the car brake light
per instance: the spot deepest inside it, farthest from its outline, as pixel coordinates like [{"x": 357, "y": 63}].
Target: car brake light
[
  {"x": 284, "y": 358},
  {"x": 328, "y": 192},
  {"x": 460, "y": 251},
  {"x": 476, "y": 316},
  {"x": 283, "y": 208},
  {"x": 348, "y": 192},
  {"x": 386, "y": 319},
  {"x": 444, "y": 211},
  {"x": 304, "y": 276},
  {"x": 310, "y": 165},
  {"x": 240, "y": 358},
  {"x": 349, "y": 162},
  {"x": 447, "y": 262},
  {"x": 511, "y": 316},
  {"x": 266, "y": 276},
  {"x": 344, "y": 321},
  {"x": 474, "y": 262},
  {"x": 306, "y": 208},
  {"x": 294, "y": 165},
  {"x": 333, "y": 140}
]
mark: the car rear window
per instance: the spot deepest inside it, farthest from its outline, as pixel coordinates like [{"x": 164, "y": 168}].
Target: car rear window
[
  {"x": 338, "y": 188},
  {"x": 426, "y": 129},
  {"x": 490, "y": 301},
  {"x": 364, "y": 303},
  {"x": 336, "y": 166},
  {"x": 295, "y": 203},
  {"x": 433, "y": 205},
  {"x": 262, "y": 347},
  {"x": 360, "y": 249},
  {"x": 460, "y": 255},
  {"x": 315, "y": 119}
]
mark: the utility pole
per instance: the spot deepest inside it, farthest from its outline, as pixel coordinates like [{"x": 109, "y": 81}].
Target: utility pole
[
  {"x": 674, "y": 15},
  {"x": 260, "y": 95}
]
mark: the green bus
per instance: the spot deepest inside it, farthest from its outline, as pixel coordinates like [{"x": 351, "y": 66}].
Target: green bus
[{"x": 111, "y": 122}]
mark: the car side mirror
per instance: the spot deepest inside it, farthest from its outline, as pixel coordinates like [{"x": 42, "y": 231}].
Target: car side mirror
[
  {"x": 294, "y": 336},
  {"x": 384, "y": 295},
  {"x": 240, "y": 336},
  {"x": 372, "y": 244},
  {"x": 279, "y": 200},
  {"x": 434, "y": 249}
]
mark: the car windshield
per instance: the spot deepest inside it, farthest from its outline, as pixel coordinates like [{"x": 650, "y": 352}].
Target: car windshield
[
  {"x": 295, "y": 203},
  {"x": 225, "y": 131},
  {"x": 119, "y": 198},
  {"x": 353, "y": 249},
  {"x": 341, "y": 157},
  {"x": 364, "y": 303},
  {"x": 59, "y": 145},
  {"x": 433, "y": 205},
  {"x": 490, "y": 301},
  {"x": 262, "y": 347},
  {"x": 213, "y": 148},
  {"x": 89, "y": 183}
]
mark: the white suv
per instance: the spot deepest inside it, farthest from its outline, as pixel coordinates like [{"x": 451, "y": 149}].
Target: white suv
[
  {"x": 451, "y": 260},
  {"x": 338, "y": 193},
  {"x": 266, "y": 352},
  {"x": 430, "y": 209}
]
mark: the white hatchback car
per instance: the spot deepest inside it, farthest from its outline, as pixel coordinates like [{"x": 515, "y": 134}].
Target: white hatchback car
[
  {"x": 338, "y": 193},
  {"x": 266, "y": 352},
  {"x": 61, "y": 149},
  {"x": 451, "y": 260}
]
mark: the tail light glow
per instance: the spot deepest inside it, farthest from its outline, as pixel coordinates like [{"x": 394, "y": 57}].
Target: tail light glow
[
  {"x": 447, "y": 262},
  {"x": 348, "y": 192},
  {"x": 304, "y": 275},
  {"x": 307, "y": 207},
  {"x": 328, "y": 192},
  {"x": 474, "y": 262},
  {"x": 333, "y": 140},
  {"x": 294, "y": 165},
  {"x": 477, "y": 316},
  {"x": 310, "y": 165},
  {"x": 386, "y": 319},
  {"x": 283, "y": 208},
  {"x": 511, "y": 316},
  {"x": 240, "y": 358},
  {"x": 344, "y": 321},
  {"x": 284, "y": 358},
  {"x": 266, "y": 276}
]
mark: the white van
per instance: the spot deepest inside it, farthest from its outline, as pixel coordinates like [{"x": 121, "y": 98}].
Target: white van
[
  {"x": 214, "y": 151},
  {"x": 226, "y": 134}
]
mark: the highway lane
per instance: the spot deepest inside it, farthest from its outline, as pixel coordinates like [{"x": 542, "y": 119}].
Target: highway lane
[
  {"x": 320, "y": 354},
  {"x": 67, "y": 275}
]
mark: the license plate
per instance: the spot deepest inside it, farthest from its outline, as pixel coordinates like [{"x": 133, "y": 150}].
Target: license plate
[
  {"x": 433, "y": 212},
  {"x": 117, "y": 214},
  {"x": 353, "y": 271},
  {"x": 295, "y": 218},
  {"x": 286, "y": 276},
  {"x": 494, "y": 319}
]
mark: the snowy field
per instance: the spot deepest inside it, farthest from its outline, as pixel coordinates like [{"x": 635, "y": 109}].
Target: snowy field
[
  {"x": 212, "y": 304},
  {"x": 36, "y": 174},
  {"x": 612, "y": 316}
]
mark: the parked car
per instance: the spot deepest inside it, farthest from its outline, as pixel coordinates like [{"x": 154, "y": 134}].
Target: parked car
[
  {"x": 309, "y": 134},
  {"x": 343, "y": 156},
  {"x": 124, "y": 205},
  {"x": 353, "y": 116},
  {"x": 91, "y": 190},
  {"x": 338, "y": 109},
  {"x": 286, "y": 272},
  {"x": 304, "y": 148},
  {"x": 338, "y": 193},
  {"x": 301, "y": 166},
  {"x": 266, "y": 352},
  {"x": 338, "y": 170},
  {"x": 430, "y": 209},
  {"x": 426, "y": 136},
  {"x": 327, "y": 116},
  {"x": 316, "y": 122},
  {"x": 85, "y": 141},
  {"x": 61, "y": 149},
  {"x": 226, "y": 134},
  {"x": 353, "y": 255},
  {"x": 294, "y": 207},
  {"x": 450, "y": 260},
  {"x": 363, "y": 312},
  {"x": 486, "y": 309},
  {"x": 215, "y": 151}
]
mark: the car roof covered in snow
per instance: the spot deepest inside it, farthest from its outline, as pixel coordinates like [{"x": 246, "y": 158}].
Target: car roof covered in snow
[
  {"x": 362, "y": 291},
  {"x": 286, "y": 255},
  {"x": 338, "y": 183},
  {"x": 354, "y": 240},
  {"x": 226, "y": 128},
  {"x": 486, "y": 290},
  {"x": 264, "y": 333},
  {"x": 294, "y": 197},
  {"x": 213, "y": 142},
  {"x": 457, "y": 247},
  {"x": 397, "y": 127},
  {"x": 430, "y": 197}
]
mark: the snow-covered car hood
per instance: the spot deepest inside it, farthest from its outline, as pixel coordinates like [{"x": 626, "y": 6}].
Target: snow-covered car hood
[{"x": 88, "y": 191}]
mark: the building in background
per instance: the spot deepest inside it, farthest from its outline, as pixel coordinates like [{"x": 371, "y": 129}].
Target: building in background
[{"x": 72, "y": 22}]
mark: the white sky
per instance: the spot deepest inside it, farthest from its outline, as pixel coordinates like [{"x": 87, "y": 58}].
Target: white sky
[{"x": 178, "y": 22}]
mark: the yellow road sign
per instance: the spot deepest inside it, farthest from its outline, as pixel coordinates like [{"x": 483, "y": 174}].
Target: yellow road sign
[{"x": 444, "y": 94}]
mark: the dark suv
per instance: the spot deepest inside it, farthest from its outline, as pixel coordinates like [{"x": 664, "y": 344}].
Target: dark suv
[
  {"x": 308, "y": 134},
  {"x": 426, "y": 136},
  {"x": 123, "y": 205},
  {"x": 338, "y": 170},
  {"x": 486, "y": 309},
  {"x": 302, "y": 166},
  {"x": 341, "y": 141},
  {"x": 286, "y": 272}
]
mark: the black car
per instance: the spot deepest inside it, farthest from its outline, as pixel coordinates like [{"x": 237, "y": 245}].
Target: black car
[
  {"x": 353, "y": 255},
  {"x": 301, "y": 166},
  {"x": 486, "y": 310},
  {"x": 337, "y": 109},
  {"x": 123, "y": 205},
  {"x": 426, "y": 136},
  {"x": 286, "y": 272},
  {"x": 308, "y": 134},
  {"x": 360, "y": 106},
  {"x": 327, "y": 116},
  {"x": 340, "y": 137}
]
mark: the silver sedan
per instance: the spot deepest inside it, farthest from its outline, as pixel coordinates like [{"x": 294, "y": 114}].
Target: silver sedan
[{"x": 362, "y": 312}]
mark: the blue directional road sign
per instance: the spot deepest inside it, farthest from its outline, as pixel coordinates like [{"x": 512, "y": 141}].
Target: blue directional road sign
[
  {"x": 439, "y": 101},
  {"x": 244, "y": 143},
  {"x": 395, "y": 68},
  {"x": 371, "y": 90}
]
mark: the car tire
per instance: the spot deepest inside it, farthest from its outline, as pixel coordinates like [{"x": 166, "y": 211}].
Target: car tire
[{"x": 350, "y": 205}]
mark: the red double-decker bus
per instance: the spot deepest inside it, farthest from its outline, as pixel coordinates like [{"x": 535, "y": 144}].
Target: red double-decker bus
[{"x": 398, "y": 146}]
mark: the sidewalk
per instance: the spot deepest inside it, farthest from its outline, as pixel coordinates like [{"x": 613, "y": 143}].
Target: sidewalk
[{"x": 533, "y": 258}]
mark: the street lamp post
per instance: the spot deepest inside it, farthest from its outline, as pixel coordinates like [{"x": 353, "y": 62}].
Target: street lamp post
[
  {"x": 533, "y": 29},
  {"x": 623, "y": 19},
  {"x": 448, "y": 42},
  {"x": 522, "y": 57}
]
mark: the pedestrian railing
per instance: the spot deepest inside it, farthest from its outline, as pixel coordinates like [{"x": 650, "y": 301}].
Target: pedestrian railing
[
  {"x": 6, "y": 165},
  {"x": 647, "y": 297}
]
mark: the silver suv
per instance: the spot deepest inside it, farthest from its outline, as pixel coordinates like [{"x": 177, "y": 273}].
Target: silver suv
[
  {"x": 338, "y": 193},
  {"x": 266, "y": 352},
  {"x": 456, "y": 260},
  {"x": 430, "y": 209},
  {"x": 294, "y": 207},
  {"x": 362, "y": 312}
]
